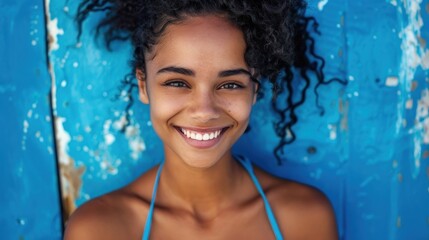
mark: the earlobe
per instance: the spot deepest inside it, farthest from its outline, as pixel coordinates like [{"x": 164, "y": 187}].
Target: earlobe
[
  {"x": 141, "y": 79},
  {"x": 255, "y": 96}
]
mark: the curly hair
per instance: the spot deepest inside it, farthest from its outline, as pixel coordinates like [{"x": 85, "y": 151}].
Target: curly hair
[{"x": 277, "y": 34}]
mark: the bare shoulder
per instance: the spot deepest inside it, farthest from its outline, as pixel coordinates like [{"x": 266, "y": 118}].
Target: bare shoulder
[
  {"x": 303, "y": 212},
  {"x": 117, "y": 215}
]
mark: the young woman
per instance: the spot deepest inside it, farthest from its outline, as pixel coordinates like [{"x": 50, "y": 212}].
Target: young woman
[{"x": 198, "y": 66}]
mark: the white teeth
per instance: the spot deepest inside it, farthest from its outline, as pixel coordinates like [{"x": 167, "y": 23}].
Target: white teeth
[
  {"x": 206, "y": 136},
  {"x": 200, "y": 136}
]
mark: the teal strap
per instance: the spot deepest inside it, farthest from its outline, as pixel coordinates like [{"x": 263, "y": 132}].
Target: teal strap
[
  {"x": 248, "y": 166},
  {"x": 274, "y": 226},
  {"x": 148, "y": 223}
]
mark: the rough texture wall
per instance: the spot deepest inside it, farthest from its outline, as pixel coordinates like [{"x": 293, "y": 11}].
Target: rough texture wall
[
  {"x": 369, "y": 152},
  {"x": 29, "y": 198}
]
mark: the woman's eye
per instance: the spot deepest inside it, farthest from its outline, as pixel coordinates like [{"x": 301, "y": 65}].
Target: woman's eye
[
  {"x": 177, "y": 84},
  {"x": 231, "y": 86}
]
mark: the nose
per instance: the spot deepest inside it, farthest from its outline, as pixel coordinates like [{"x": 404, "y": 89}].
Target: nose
[{"x": 204, "y": 106}]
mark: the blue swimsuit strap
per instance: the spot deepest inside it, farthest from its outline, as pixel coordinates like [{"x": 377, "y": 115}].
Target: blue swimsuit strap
[
  {"x": 148, "y": 223},
  {"x": 248, "y": 166},
  {"x": 274, "y": 226}
]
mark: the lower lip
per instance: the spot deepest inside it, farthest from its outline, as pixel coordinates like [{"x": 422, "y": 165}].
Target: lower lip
[{"x": 201, "y": 144}]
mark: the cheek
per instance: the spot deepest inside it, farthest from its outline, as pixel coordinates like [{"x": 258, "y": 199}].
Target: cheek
[
  {"x": 240, "y": 109},
  {"x": 163, "y": 107}
]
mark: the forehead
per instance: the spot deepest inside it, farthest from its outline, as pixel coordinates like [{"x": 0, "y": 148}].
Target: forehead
[{"x": 204, "y": 40}]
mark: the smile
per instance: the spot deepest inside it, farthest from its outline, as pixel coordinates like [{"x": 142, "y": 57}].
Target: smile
[{"x": 201, "y": 136}]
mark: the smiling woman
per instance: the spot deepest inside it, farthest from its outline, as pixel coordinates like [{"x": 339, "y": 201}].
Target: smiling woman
[{"x": 198, "y": 66}]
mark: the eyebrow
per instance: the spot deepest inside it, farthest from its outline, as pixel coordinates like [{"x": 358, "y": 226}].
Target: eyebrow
[
  {"x": 233, "y": 72},
  {"x": 180, "y": 70},
  {"x": 189, "y": 72}
]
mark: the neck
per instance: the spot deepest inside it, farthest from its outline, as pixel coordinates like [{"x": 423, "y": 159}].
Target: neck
[{"x": 203, "y": 192}]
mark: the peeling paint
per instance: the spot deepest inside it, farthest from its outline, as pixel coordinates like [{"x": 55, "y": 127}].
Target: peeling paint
[
  {"x": 135, "y": 141},
  {"x": 53, "y": 30},
  {"x": 322, "y": 4},
  {"x": 99, "y": 134},
  {"x": 414, "y": 54},
  {"x": 392, "y": 81},
  {"x": 109, "y": 138},
  {"x": 332, "y": 131},
  {"x": 71, "y": 176}
]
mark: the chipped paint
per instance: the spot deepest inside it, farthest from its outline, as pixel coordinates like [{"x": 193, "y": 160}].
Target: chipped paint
[
  {"x": 414, "y": 53},
  {"x": 332, "y": 131},
  {"x": 409, "y": 104},
  {"x": 322, "y": 4},
  {"x": 109, "y": 138},
  {"x": 414, "y": 56},
  {"x": 135, "y": 141},
  {"x": 99, "y": 147},
  {"x": 71, "y": 176},
  {"x": 392, "y": 81},
  {"x": 52, "y": 28}
]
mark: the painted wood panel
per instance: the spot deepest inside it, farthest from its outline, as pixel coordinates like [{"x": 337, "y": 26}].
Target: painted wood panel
[{"x": 368, "y": 152}]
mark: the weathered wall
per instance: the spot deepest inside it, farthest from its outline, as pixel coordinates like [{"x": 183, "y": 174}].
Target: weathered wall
[
  {"x": 29, "y": 198},
  {"x": 369, "y": 151}
]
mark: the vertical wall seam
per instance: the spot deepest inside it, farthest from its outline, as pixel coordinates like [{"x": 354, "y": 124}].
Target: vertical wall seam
[{"x": 52, "y": 108}]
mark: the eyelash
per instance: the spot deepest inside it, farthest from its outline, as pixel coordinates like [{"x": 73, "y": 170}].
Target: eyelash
[
  {"x": 231, "y": 85},
  {"x": 175, "y": 84},
  {"x": 181, "y": 84}
]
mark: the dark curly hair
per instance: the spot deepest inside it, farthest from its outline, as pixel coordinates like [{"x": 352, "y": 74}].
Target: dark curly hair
[{"x": 277, "y": 34}]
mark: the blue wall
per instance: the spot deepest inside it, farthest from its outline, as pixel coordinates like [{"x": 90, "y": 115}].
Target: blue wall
[{"x": 369, "y": 152}]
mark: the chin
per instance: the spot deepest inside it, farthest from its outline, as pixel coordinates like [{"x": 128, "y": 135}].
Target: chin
[{"x": 201, "y": 162}]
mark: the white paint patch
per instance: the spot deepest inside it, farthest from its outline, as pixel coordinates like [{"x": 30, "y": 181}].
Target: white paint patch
[
  {"x": 414, "y": 56},
  {"x": 322, "y": 4},
  {"x": 135, "y": 141},
  {"x": 87, "y": 129},
  {"x": 120, "y": 123},
  {"x": 332, "y": 131},
  {"x": 409, "y": 104},
  {"x": 53, "y": 30},
  {"x": 26, "y": 125},
  {"x": 421, "y": 129},
  {"x": 422, "y": 115},
  {"x": 63, "y": 139},
  {"x": 108, "y": 137},
  {"x": 392, "y": 81}
]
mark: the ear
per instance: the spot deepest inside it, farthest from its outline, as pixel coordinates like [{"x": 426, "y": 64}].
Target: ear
[
  {"x": 141, "y": 79},
  {"x": 255, "y": 93}
]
